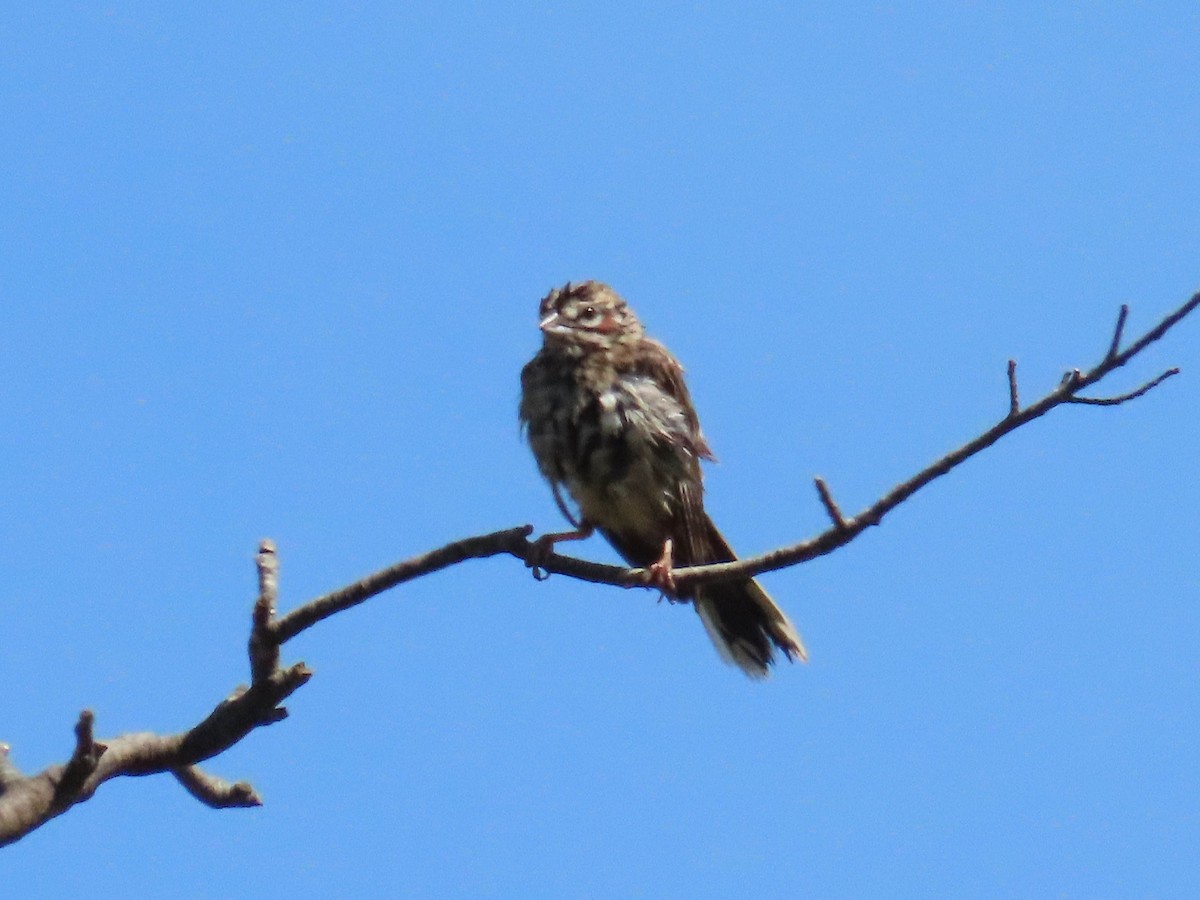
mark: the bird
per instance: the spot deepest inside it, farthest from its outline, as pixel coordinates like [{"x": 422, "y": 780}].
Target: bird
[{"x": 609, "y": 418}]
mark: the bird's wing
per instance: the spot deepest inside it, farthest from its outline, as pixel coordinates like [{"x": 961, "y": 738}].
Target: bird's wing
[
  {"x": 656, "y": 362},
  {"x": 690, "y": 533}
]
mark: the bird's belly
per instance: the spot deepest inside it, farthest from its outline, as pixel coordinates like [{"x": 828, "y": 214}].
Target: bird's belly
[{"x": 636, "y": 505}]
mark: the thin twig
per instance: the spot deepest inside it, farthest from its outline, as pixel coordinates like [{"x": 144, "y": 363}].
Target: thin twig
[
  {"x": 1014, "y": 402},
  {"x": 829, "y": 503},
  {"x": 263, "y": 647},
  {"x": 1115, "y": 346},
  {"x": 510, "y": 540},
  {"x": 83, "y": 760},
  {"x": 216, "y": 792},
  {"x": 1123, "y": 398}
]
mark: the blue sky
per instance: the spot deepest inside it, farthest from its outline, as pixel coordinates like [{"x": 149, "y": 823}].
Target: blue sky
[{"x": 274, "y": 271}]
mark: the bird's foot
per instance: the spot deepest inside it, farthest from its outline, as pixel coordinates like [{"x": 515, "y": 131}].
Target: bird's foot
[
  {"x": 542, "y": 549},
  {"x": 661, "y": 575}
]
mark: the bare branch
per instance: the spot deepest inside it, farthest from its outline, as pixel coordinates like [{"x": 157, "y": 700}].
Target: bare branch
[
  {"x": 1124, "y": 398},
  {"x": 511, "y": 540},
  {"x": 829, "y": 503},
  {"x": 1115, "y": 346},
  {"x": 264, "y": 648},
  {"x": 1148, "y": 338},
  {"x": 216, "y": 792},
  {"x": 83, "y": 761},
  {"x": 1014, "y": 402},
  {"x": 830, "y": 540},
  {"x": 27, "y": 802}
]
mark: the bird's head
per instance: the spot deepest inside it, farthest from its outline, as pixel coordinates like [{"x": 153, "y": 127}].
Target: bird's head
[{"x": 587, "y": 314}]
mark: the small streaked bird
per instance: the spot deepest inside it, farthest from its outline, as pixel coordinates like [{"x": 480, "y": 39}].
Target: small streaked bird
[{"x": 609, "y": 418}]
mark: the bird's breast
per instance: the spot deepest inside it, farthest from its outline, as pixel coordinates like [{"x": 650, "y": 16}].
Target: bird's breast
[{"x": 619, "y": 443}]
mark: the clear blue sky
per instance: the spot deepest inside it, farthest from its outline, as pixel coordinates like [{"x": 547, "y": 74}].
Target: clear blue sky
[{"x": 274, "y": 271}]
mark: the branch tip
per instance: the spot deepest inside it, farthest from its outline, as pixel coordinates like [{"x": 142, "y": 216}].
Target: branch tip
[
  {"x": 84, "y": 759},
  {"x": 831, "y": 507},
  {"x": 216, "y": 792},
  {"x": 267, "y": 562},
  {"x": 1115, "y": 347},
  {"x": 1125, "y": 398},
  {"x": 264, "y": 646},
  {"x": 296, "y": 677},
  {"x": 87, "y": 749},
  {"x": 300, "y": 672},
  {"x": 1014, "y": 402}
]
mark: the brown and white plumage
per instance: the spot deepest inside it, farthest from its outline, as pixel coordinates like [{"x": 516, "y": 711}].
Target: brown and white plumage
[{"x": 609, "y": 418}]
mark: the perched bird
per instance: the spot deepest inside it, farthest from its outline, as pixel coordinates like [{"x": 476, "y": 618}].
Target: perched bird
[{"x": 609, "y": 418}]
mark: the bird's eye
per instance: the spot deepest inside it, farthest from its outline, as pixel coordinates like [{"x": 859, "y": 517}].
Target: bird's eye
[{"x": 590, "y": 314}]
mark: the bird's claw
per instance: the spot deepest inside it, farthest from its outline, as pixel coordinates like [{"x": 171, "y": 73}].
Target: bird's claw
[
  {"x": 661, "y": 575},
  {"x": 541, "y": 549}
]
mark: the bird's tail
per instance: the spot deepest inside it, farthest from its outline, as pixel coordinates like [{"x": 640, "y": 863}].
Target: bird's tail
[{"x": 743, "y": 621}]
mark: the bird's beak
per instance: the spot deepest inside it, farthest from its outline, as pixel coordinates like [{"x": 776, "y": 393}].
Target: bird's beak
[{"x": 550, "y": 323}]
